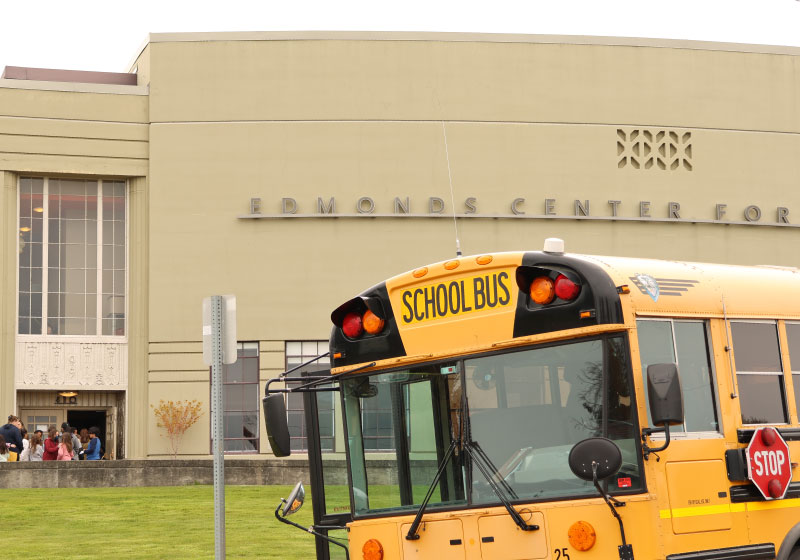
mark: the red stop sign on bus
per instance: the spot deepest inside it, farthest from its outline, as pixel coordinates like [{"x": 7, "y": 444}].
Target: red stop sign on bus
[{"x": 768, "y": 463}]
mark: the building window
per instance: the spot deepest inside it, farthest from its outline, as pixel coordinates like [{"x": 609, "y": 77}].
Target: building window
[
  {"x": 297, "y": 353},
  {"x": 793, "y": 337},
  {"x": 759, "y": 372},
  {"x": 377, "y": 424},
  {"x": 72, "y": 257},
  {"x": 240, "y": 394},
  {"x": 42, "y": 423},
  {"x": 376, "y": 413},
  {"x": 685, "y": 343}
]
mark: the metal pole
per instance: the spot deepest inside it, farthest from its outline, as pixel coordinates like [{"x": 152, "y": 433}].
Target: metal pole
[{"x": 217, "y": 427}]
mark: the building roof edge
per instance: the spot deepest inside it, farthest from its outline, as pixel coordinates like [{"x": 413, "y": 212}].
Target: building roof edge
[{"x": 463, "y": 37}]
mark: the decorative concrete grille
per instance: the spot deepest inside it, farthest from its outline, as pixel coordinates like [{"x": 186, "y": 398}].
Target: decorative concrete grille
[
  {"x": 58, "y": 365},
  {"x": 666, "y": 150}
]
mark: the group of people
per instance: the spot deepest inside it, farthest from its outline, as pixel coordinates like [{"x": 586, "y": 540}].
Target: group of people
[{"x": 67, "y": 445}]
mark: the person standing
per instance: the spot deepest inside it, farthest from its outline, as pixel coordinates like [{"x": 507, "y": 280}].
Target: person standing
[
  {"x": 12, "y": 435},
  {"x": 51, "y": 445},
  {"x": 65, "y": 450},
  {"x": 93, "y": 451},
  {"x": 34, "y": 451},
  {"x": 84, "y": 437},
  {"x": 67, "y": 432},
  {"x": 3, "y": 450}
]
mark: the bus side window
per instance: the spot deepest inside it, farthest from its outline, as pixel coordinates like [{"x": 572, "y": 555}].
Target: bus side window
[
  {"x": 685, "y": 343},
  {"x": 793, "y": 337},
  {"x": 759, "y": 372}
]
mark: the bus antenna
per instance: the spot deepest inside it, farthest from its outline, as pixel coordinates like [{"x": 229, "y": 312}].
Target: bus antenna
[{"x": 452, "y": 198}]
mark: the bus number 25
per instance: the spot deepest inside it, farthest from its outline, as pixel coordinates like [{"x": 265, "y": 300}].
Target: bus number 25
[{"x": 561, "y": 554}]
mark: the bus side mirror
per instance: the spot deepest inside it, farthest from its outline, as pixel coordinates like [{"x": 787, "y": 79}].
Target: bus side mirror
[
  {"x": 295, "y": 500},
  {"x": 664, "y": 394},
  {"x": 595, "y": 457},
  {"x": 666, "y": 403},
  {"x": 277, "y": 426}
]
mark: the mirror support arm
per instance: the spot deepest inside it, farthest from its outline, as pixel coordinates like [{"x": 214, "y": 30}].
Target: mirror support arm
[
  {"x": 309, "y": 529},
  {"x": 646, "y": 449},
  {"x": 626, "y": 550}
]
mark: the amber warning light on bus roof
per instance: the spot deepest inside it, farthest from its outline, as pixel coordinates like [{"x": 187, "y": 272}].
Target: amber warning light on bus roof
[{"x": 544, "y": 289}]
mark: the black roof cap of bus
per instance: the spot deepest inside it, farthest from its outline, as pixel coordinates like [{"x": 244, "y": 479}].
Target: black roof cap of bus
[
  {"x": 598, "y": 293},
  {"x": 387, "y": 344}
]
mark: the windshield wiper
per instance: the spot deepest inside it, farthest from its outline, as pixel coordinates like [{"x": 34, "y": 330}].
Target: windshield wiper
[
  {"x": 484, "y": 464},
  {"x": 496, "y": 475},
  {"x": 412, "y": 531},
  {"x": 489, "y": 471}
]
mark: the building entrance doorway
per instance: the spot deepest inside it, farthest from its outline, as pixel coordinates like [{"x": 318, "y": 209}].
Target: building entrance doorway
[{"x": 86, "y": 419}]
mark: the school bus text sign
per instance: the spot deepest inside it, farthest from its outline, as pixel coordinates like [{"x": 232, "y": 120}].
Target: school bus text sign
[
  {"x": 481, "y": 293},
  {"x": 768, "y": 463}
]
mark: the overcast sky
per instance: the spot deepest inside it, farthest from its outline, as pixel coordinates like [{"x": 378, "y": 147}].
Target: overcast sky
[{"x": 106, "y": 35}]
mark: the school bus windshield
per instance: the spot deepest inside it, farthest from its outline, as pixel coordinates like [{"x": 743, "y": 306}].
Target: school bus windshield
[{"x": 524, "y": 409}]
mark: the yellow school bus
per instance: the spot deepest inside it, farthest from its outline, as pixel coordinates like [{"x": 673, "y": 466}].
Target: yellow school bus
[{"x": 547, "y": 405}]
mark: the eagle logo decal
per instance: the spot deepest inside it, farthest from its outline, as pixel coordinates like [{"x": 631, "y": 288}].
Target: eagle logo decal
[{"x": 648, "y": 285}]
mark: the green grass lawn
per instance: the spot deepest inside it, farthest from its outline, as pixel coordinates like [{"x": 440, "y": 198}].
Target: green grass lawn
[{"x": 152, "y": 523}]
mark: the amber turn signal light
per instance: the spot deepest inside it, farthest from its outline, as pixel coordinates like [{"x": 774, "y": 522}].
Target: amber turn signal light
[
  {"x": 372, "y": 550},
  {"x": 581, "y": 535}
]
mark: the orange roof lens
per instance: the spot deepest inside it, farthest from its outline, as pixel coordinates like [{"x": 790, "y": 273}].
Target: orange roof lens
[
  {"x": 372, "y": 550},
  {"x": 451, "y": 265},
  {"x": 372, "y": 323},
  {"x": 542, "y": 290},
  {"x": 581, "y": 536},
  {"x": 420, "y": 272},
  {"x": 485, "y": 259}
]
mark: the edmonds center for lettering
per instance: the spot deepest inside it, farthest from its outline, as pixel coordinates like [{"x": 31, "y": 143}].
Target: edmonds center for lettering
[{"x": 295, "y": 170}]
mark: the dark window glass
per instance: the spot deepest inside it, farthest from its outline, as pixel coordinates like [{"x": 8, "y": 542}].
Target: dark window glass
[
  {"x": 755, "y": 347},
  {"x": 299, "y": 352},
  {"x": 31, "y": 199},
  {"x": 658, "y": 342},
  {"x": 241, "y": 404},
  {"x": 427, "y": 401},
  {"x": 793, "y": 336},
  {"x": 376, "y": 418},
  {"x": 525, "y": 411},
  {"x": 58, "y": 229},
  {"x": 759, "y": 396},
  {"x": 561, "y": 387},
  {"x": 759, "y": 373}
]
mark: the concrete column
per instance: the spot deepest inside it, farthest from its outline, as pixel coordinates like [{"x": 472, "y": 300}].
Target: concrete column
[
  {"x": 138, "y": 400},
  {"x": 8, "y": 291}
]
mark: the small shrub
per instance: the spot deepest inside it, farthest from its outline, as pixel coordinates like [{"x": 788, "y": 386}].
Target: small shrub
[{"x": 176, "y": 417}]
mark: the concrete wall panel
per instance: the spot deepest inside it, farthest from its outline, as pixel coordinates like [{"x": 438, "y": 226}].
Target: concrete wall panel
[{"x": 435, "y": 79}]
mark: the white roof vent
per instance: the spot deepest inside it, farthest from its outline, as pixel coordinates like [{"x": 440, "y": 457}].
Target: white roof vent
[{"x": 554, "y": 245}]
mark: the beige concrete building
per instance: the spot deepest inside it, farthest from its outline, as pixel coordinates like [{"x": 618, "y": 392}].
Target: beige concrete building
[{"x": 296, "y": 169}]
